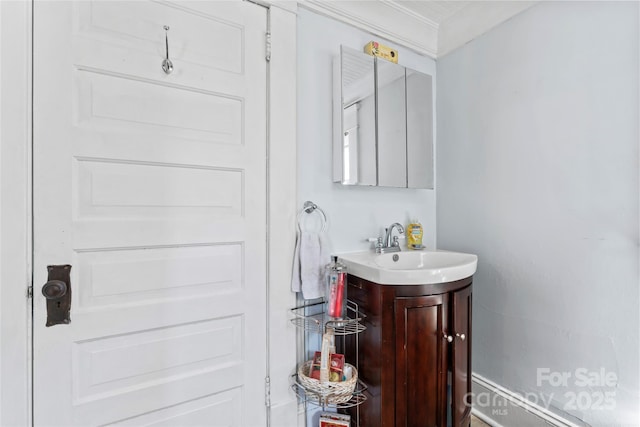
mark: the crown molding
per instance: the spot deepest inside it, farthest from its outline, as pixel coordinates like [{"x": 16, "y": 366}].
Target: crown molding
[
  {"x": 397, "y": 23},
  {"x": 286, "y": 5},
  {"x": 380, "y": 19},
  {"x": 411, "y": 13}
]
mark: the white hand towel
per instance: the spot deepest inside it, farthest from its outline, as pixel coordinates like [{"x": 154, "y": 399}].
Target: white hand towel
[
  {"x": 296, "y": 284},
  {"x": 325, "y": 251},
  {"x": 310, "y": 266},
  {"x": 310, "y": 259}
]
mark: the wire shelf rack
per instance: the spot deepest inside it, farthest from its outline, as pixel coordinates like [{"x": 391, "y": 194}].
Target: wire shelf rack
[
  {"x": 325, "y": 401},
  {"x": 311, "y": 317}
]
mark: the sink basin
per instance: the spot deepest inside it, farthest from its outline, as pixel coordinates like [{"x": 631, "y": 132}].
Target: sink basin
[{"x": 411, "y": 267}]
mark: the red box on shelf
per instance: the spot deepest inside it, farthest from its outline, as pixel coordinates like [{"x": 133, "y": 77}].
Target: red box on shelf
[{"x": 331, "y": 419}]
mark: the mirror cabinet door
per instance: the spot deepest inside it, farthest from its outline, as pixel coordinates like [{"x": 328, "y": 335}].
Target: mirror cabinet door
[
  {"x": 392, "y": 124},
  {"x": 383, "y": 123},
  {"x": 356, "y": 144},
  {"x": 419, "y": 130}
]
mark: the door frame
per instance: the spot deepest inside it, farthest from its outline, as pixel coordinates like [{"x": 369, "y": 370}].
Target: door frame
[{"x": 16, "y": 249}]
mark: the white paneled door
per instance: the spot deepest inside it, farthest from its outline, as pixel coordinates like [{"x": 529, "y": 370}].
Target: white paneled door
[{"x": 152, "y": 187}]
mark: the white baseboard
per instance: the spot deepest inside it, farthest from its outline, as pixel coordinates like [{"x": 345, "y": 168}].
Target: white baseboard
[{"x": 500, "y": 407}]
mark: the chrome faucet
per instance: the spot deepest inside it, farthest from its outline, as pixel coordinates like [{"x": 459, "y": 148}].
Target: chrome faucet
[
  {"x": 387, "y": 238},
  {"x": 389, "y": 243}
]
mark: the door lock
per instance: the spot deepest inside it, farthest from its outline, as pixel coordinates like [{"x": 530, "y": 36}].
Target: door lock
[{"x": 57, "y": 291}]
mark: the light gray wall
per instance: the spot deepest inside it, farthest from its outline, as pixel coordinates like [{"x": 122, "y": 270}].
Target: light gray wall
[
  {"x": 538, "y": 175},
  {"x": 355, "y": 213}
]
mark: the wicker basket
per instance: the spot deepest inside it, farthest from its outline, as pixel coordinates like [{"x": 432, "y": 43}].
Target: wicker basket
[{"x": 329, "y": 392}]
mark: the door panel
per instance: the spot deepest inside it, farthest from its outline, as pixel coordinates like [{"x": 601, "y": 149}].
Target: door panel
[
  {"x": 421, "y": 360},
  {"x": 152, "y": 187},
  {"x": 110, "y": 365},
  {"x": 202, "y": 27},
  {"x": 108, "y": 189},
  {"x": 128, "y": 276},
  {"x": 461, "y": 387},
  {"x": 188, "y": 115},
  {"x": 221, "y": 409}
]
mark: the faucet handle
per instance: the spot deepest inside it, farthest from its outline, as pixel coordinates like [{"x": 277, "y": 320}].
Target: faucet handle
[
  {"x": 396, "y": 240},
  {"x": 377, "y": 241}
]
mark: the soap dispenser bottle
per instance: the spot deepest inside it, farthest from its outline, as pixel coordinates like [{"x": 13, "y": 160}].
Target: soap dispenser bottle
[{"x": 414, "y": 235}]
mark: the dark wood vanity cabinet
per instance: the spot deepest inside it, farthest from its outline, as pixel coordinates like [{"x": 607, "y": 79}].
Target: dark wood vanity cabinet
[
  {"x": 461, "y": 357},
  {"x": 415, "y": 355}
]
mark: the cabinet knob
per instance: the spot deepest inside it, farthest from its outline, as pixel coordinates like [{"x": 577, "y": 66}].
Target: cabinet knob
[
  {"x": 461, "y": 336},
  {"x": 449, "y": 338}
]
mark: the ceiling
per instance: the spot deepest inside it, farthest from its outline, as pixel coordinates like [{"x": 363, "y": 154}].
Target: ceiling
[
  {"x": 436, "y": 11},
  {"x": 434, "y": 28}
]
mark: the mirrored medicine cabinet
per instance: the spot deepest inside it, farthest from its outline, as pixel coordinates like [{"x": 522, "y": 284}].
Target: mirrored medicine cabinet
[{"x": 383, "y": 123}]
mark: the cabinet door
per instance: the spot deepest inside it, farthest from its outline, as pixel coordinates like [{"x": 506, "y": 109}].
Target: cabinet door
[
  {"x": 461, "y": 357},
  {"x": 421, "y": 361},
  {"x": 391, "y": 120}
]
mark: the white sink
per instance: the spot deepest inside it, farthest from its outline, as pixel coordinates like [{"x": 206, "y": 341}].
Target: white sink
[{"x": 410, "y": 267}]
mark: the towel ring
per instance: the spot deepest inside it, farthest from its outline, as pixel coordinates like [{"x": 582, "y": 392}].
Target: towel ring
[{"x": 310, "y": 207}]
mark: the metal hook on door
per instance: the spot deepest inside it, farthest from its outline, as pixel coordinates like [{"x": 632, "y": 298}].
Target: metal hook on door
[{"x": 167, "y": 65}]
